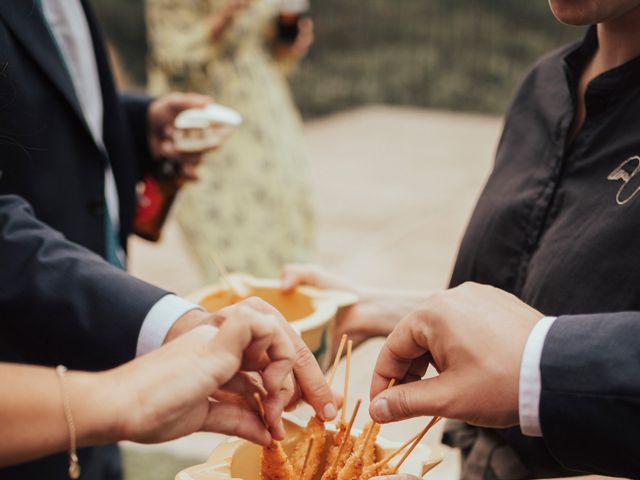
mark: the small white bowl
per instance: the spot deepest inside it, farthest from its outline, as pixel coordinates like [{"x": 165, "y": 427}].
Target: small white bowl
[
  {"x": 201, "y": 129},
  {"x": 310, "y": 311},
  {"x": 240, "y": 460}
]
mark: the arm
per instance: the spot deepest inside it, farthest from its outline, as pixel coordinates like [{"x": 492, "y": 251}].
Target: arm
[
  {"x": 590, "y": 399},
  {"x": 477, "y": 338},
  {"x": 62, "y": 300},
  {"x": 132, "y": 402},
  {"x": 136, "y": 108},
  {"x": 377, "y": 311}
]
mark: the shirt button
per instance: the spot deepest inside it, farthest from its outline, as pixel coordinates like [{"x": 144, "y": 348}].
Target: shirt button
[{"x": 96, "y": 207}]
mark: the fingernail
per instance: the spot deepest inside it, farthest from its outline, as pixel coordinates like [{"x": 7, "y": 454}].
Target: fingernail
[
  {"x": 381, "y": 411},
  {"x": 329, "y": 411}
]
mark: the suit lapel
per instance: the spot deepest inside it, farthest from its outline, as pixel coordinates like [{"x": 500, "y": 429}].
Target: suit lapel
[{"x": 28, "y": 26}]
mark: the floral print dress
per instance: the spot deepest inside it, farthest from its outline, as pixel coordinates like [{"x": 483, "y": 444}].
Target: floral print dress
[{"x": 252, "y": 204}]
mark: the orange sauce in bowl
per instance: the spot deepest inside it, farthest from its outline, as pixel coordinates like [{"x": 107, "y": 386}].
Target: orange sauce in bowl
[{"x": 293, "y": 306}]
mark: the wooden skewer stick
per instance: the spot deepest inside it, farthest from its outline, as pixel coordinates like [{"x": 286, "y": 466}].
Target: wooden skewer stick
[
  {"x": 261, "y": 410},
  {"x": 427, "y": 468},
  {"x": 392, "y": 382},
  {"x": 346, "y": 381},
  {"x": 396, "y": 452},
  {"x": 306, "y": 456},
  {"x": 224, "y": 274},
  {"x": 334, "y": 367},
  {"x": 347, "y": 435},
  {"x": 368, "y": 436},
  {"x": 415, "y": 443}
]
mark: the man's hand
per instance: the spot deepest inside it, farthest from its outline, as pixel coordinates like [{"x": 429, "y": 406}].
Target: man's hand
[
  {"x": 165, "y": 394},
  {"x": 162, "y": 113},
  {"x": 376, "y": 313},
  {"x": 474, "y": 335},
  {"x": 307, "y": 382}
]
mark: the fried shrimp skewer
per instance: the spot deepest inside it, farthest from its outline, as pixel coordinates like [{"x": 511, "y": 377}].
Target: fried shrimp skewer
[
  {"x": 274, "y": 464},
  {"x": 367, "y": 439},
  {"x": 332, "y": 472},
  {"x": 341, "y": 426},
  {"x": 314, "y": 430},
  {"x": 306, "y": 457},
  {"x": 382, "y": 467},
  {"x": 364, "y": 451},
  {"x": 316, "y": 433},
  {"x": 355, "y": 463}
]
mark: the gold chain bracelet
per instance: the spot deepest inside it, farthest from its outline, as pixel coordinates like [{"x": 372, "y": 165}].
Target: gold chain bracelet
[{"x": 74, "y": 464}]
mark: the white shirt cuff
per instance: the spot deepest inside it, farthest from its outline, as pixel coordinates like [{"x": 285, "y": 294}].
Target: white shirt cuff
[
  {"x": 159, "y": 321},
  {"x": 530, "y": 379}
]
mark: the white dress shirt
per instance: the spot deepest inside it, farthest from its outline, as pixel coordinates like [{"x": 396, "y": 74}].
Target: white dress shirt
[
  {"x": 531, "y": 380},
  {"x": 68, "y": 23}
]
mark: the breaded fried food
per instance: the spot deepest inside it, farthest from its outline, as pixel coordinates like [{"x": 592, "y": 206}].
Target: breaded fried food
[
  {"x": 369, "y": 455},
  {"x": 274, "y": 464},
  {"x": 376, "y": 470},
  {"x": 335, "y": 446},
  {"x": 315, "y": 429},
  {"x": 364, "y": 450},
  {"x": 353, "y": 468}
]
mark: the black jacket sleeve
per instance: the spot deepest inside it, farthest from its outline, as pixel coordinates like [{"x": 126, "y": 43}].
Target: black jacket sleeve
[
  {"x": 136, "y": 108},
  {"x": 60, "y": 303},
  {"x": 590, "y": 399}
]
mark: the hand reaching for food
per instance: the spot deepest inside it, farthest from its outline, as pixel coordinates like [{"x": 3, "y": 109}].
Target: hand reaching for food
[
  {"x": 167, "y": 391},
  {"x": 375, "y": 314},
  {"x": 474, "y": 335},
  {"x": 157, "y": 397},
  {"x": 310, "y": 384}
]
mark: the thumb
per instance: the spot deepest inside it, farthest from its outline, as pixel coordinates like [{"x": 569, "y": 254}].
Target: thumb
[
  {"x": 422, "y": 398},
  {"x": 183, "y": 101}
]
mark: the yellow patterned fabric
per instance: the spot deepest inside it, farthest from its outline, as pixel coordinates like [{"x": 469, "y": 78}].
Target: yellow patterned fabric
[{"x": 252, "y": 205}]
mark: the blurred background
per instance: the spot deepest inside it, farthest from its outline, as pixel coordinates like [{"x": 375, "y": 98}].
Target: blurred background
[
  {"x": 402, "y": 102},
  {"x": 463, "y": 55}
]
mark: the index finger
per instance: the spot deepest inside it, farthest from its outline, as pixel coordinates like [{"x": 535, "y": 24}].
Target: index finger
[
  {"x": 308, "y": 374},
  {"x": 405, "y": 344},
  {"x": 182, "y": 101}
]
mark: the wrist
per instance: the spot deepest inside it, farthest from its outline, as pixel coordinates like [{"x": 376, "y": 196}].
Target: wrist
[
  {"x": 187, "y": 322},
  {"x": 96, "y": 406}
]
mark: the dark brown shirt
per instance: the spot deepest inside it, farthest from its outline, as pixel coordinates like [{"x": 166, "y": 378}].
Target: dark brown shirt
[{"x": 558, "y": 225}]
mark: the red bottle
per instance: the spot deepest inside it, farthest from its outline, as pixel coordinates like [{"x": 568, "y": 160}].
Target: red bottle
[{"x": 156, "y": 194}]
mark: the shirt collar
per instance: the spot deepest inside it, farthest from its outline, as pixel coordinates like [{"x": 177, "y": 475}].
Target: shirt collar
[{"x": 618, "y": 79}]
